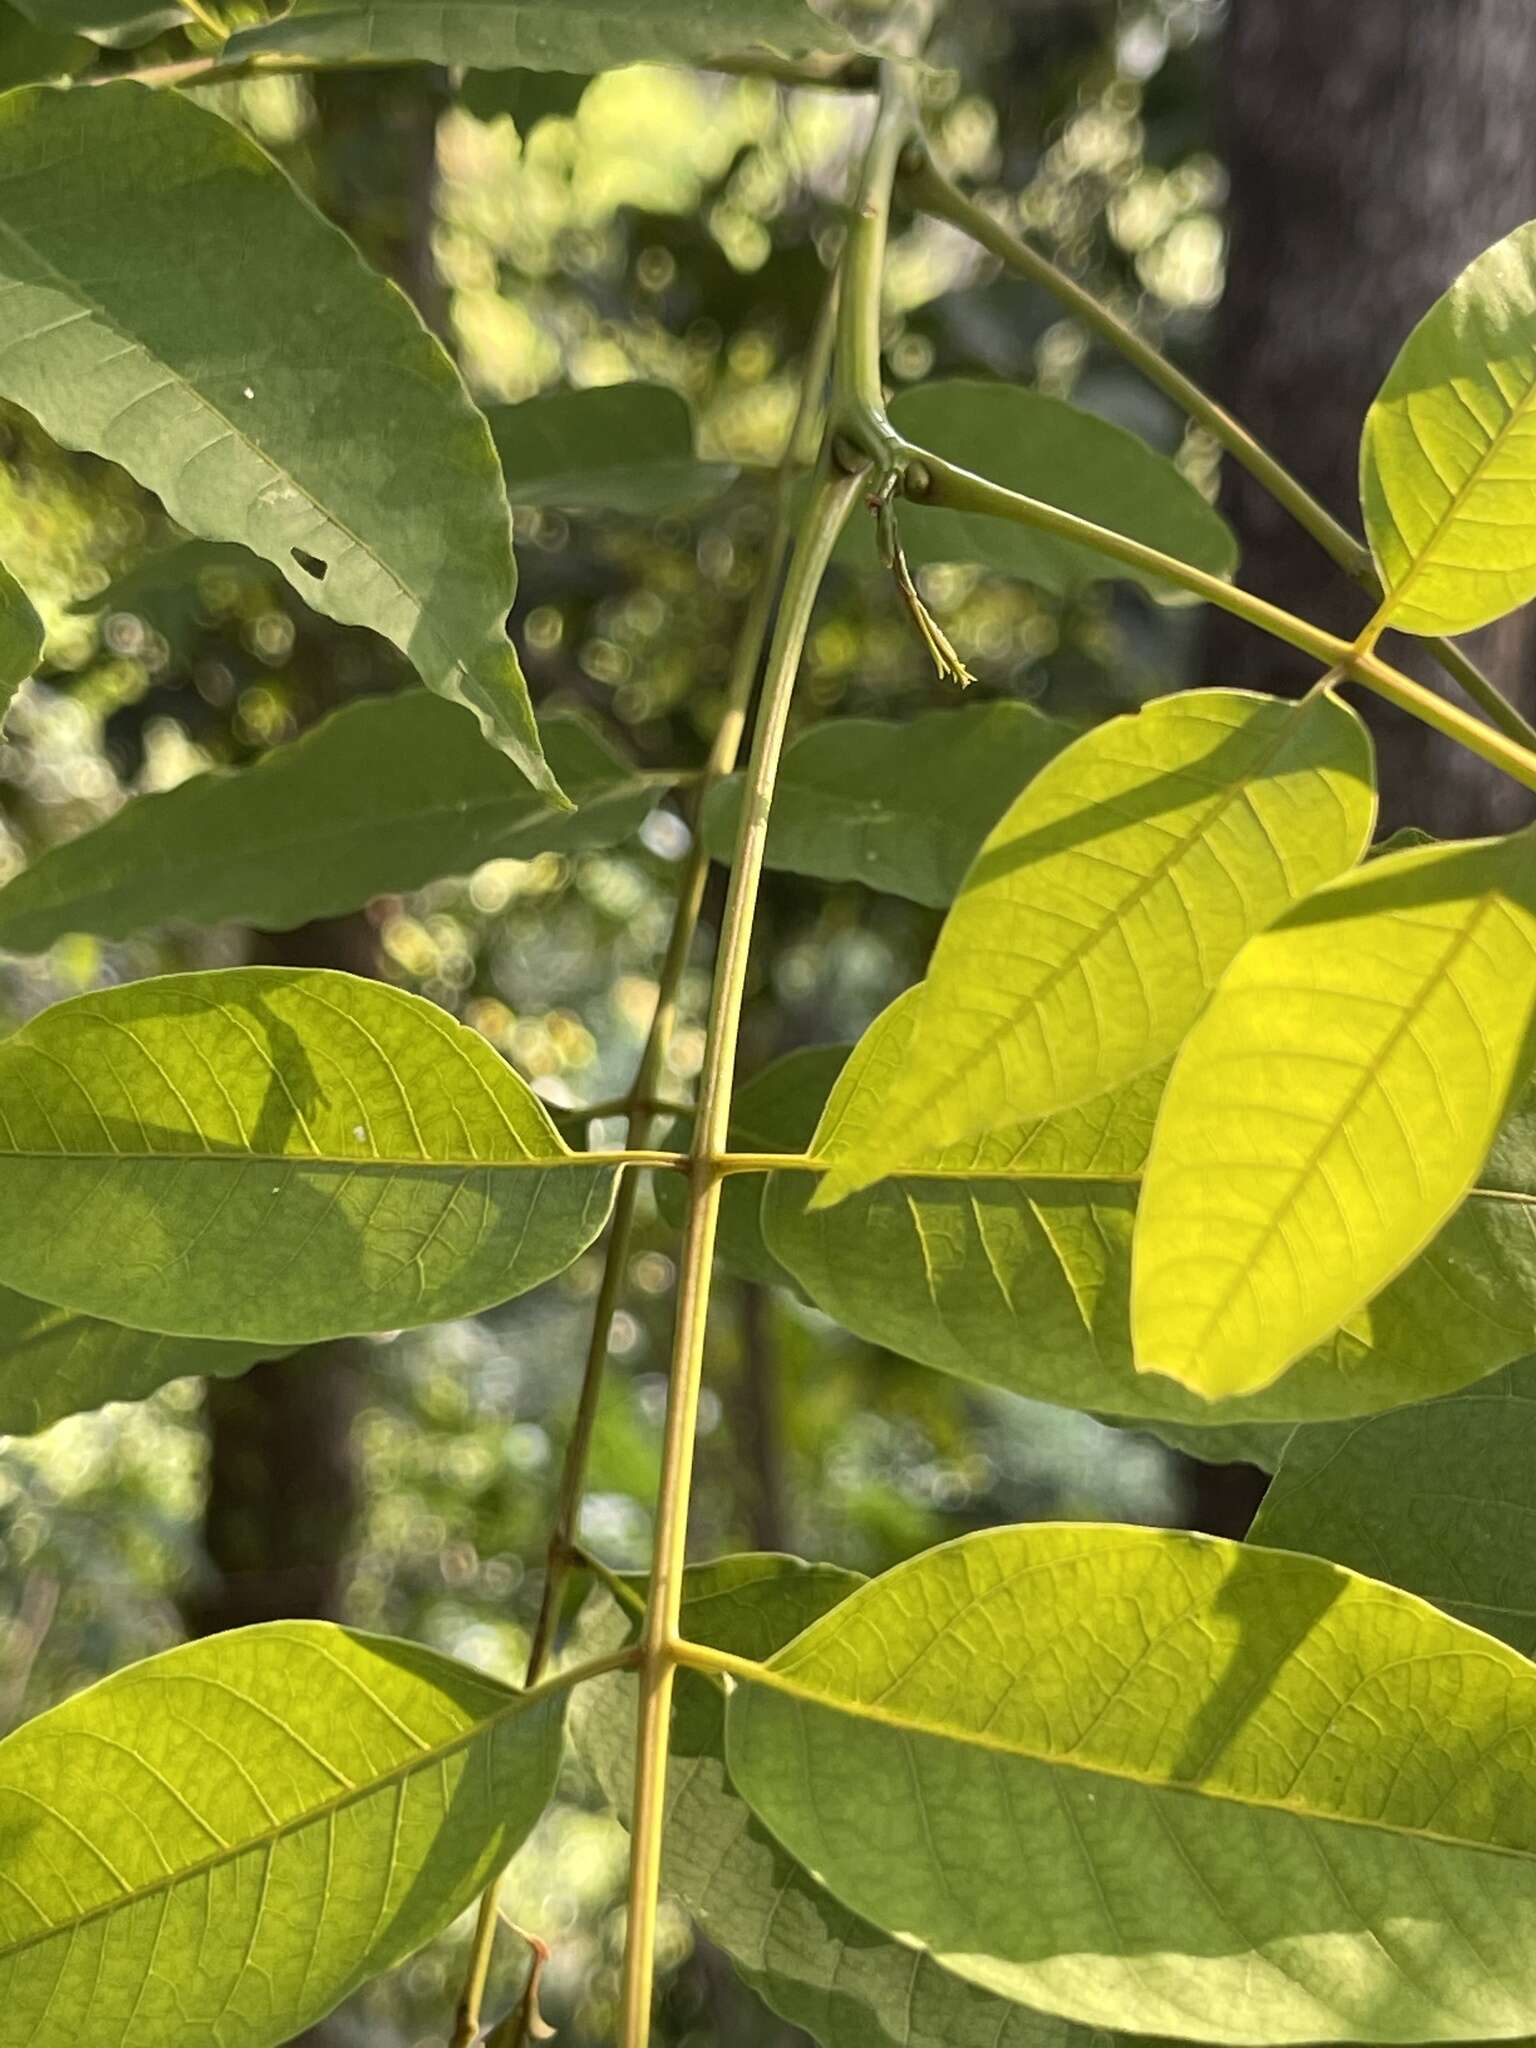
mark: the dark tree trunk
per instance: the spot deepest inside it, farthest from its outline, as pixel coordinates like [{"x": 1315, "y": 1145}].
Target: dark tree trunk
[
  {"x": 1374, "y": 149},
  {"x": 283, "y": 1490},
  {"x": 282, "y": 1493}
]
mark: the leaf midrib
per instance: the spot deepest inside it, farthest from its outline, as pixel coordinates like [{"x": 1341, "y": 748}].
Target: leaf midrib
[
  {"x": 1420, "y": 560},
  {"x": 360, "y": 828},
  {"x": 269, "y": 1837},
  {"x": 1370, "y": 1072},
  {"x": 1209, "y": 818},
  {"x": 272, "y": 1160},
  {"x": 77, "y": 294},
  {"x": 804, "y": 1695}
]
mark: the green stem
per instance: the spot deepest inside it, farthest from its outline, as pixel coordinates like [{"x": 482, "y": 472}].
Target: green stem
[
  {"x": 725, "y": 749},
  {"x": 931, "y": 481},
  {"x": 642, "y": 1107},
  {"x": 928, "y": 189},
  {"x": 627, "y": 1596},
  {"x": 860, "y": 408},
  {"x": 832, "y": 501},
  {"x": 630, "y": 1156}
]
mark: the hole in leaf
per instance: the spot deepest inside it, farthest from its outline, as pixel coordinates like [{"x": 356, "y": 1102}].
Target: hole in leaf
[{"x": 311, "y": 564}]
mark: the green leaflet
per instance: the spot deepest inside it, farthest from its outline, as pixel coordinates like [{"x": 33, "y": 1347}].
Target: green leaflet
[
  {"x": 55, "y": 1363},
  {"x": 29, "y": 52},
  {"x": 1332, "y": 1107},
  {"x": 1229, "y": 1443},
  {"x": 169, "y": 580},
  {"x": 1156, "y": 1781},
  {"x": 1448, "y": 458},
  {"x": 525, "y": 97},
  {"x": 1008, "y": 1260},
  {"x": 253, "y": 414},
  {"x": 776, "y": 1111},
  {"x": 620, "y": 448},
  {"x": 1054, "y": 451},
  {"x": 902, "y": 808},
  {"x": 1104, "y": 906},
  {"x": 21, "y": 637},
  {"x": 814, "y": 1962},
  {"x": 1436, "y": 1498},
  {"x": 114, "y": 22},
  {"x": 543, "y": 35},
  {"x": 277, "y": 1156},
  {"x": 385, "y": 795},
  {"x": 219, "y": 1844}
]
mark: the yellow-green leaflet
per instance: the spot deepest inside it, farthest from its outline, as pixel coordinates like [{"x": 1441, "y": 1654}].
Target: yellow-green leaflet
[
  {"x": 220, "y": 1843},
  {"x": 1331, "y": 1108},
  {"x": 1102, "y": 908},
  {"x": 1007, "y": 1260},
  {"x": 1161, "y": 1782},
  {"x": 1448, "y": 458}
]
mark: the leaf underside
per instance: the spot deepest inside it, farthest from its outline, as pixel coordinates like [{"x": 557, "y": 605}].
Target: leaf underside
[
  {"x": 1106, "y": 903},
  {"x": 815, "y": 1963},
  {"x": 384, "y": 796},
  {"x": 617, "y": 448},
  {"x": 543, "y": 35},
  {"x": 1046, "y": 449},
  {"x": 1331, "y": 1109},
  {"x": 277, "y": 1156},
  {"x": 220, "y": 1843},
  {"x": 1448, "y": 457},
  {"x": 54, "y": 1363},
  {"x": 900, "y": 808},
  {"x": 253, "y": 414},
  {"x": 1007, "y": 1261},
  {"x": 1436, "y": 1498},
  {"x": 1165, "y": 1783}
]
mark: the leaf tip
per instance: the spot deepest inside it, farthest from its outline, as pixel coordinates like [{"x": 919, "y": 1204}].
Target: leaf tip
[{"x": 835, "y": 1186}]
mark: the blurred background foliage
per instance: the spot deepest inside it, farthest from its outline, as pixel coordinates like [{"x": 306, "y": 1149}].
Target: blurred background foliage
[{"x": 560, "y": 232}]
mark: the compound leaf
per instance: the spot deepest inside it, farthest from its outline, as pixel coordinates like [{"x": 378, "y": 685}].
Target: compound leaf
[
  {"x": 1163, "y": 1782},
  {"x": 385, "y": 795},
  {"x": 301, "y": 409},
  {"x": 1332, "y": 1107},
  {"x": 1448, "y": 458},
  {"x": 901, "y": 808},
  {"x": 812, "y": 1960},
  {"x": 277, "y": 1156},
  {"x": 542, "y": 35},
  {"x": 619, "y": 448},
  {"x": 1007, "y": 1260},
  {"x": 54, "y": 1362},
  {"x": 224, "y": 1841},
  {"x": 1106, "y": 903}
]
